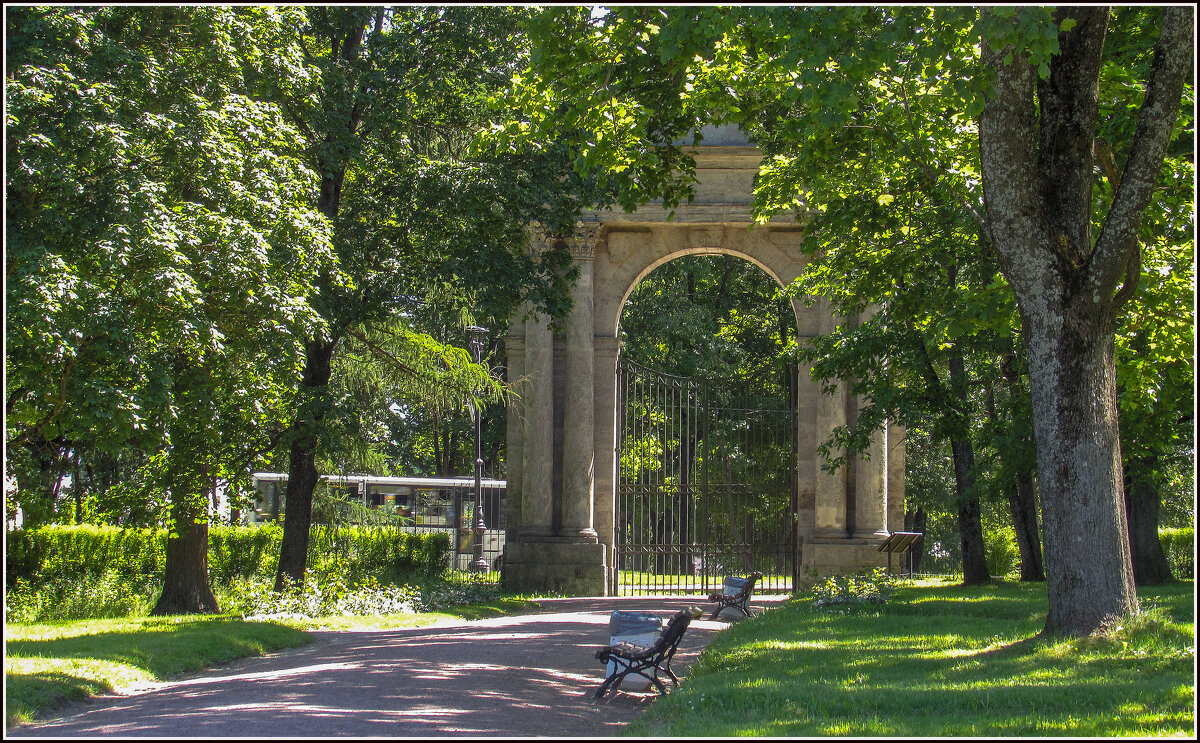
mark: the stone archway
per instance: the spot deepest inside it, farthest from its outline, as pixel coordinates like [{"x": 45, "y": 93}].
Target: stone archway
[{"x": 561, "y": 434}]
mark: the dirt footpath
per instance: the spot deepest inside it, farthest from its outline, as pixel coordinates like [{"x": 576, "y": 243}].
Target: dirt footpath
[{"x": 522, "y": 676}]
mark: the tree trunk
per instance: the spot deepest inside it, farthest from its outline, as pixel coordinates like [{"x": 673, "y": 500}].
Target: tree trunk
[
  {"x": 970, "y": 524},
  {"x": 1022, "y": 506},
  {"x": 1021, "y": 493},
  {"x": 186, "y": 589},
  {"x": 302, "y": 467},
  {"x": 1037, "y": 170},
  {"x": 1150, "y": 564}
]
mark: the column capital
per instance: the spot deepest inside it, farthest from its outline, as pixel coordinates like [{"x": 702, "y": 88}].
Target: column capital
[{"x": 583, "y": 242}]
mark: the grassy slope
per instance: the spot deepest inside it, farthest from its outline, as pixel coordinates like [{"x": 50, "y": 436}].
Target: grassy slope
[{"x": 938, "y": 660}]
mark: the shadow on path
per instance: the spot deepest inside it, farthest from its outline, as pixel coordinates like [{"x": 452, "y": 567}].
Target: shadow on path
[{"x": 520, "y": 676}]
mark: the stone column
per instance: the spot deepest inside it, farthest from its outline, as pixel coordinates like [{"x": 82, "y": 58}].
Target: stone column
[
  {"x": 870, "y": 489},
  {"x": 537, "y": 431},
  {"x": 829, "y": 509},
  {"x": 895, "y": 477},
  {"x": 578, "y": 474},
  {"x": 515, "y": 370},
  {"x": 605, "y": 439}
]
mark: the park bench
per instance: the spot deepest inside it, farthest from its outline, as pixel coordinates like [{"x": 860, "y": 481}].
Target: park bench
[
  {"x": 739, "y": 600},
  {"x": 647, "y": 661}
]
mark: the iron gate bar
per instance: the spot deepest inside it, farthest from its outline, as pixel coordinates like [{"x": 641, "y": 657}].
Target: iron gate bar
[{"x": 671, "y": 477}]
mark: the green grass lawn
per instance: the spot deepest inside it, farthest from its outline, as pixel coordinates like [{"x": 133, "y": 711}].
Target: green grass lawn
[
  {"x": 939, "y": 660},
  {"x": 48, "y": 665}
]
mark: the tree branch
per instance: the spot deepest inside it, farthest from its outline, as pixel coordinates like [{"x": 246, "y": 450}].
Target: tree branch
[{"x": 1118, "y": 237}]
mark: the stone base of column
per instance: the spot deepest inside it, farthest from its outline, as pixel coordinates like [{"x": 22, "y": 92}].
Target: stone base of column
[
  {"x": 878, "y": 535},
  {"x": 569, "y": 567},
  {"x": 581, "y": 536},
  {"x": 821, "y": 558}
]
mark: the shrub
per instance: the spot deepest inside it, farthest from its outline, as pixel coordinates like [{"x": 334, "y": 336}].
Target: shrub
[
  {"x": 874, "y": 587},
  {"x": 84, "y": 552},
  {"x": 243, "y": 552},
  {"x": 103, "y": 597},
  {"x": 1000, "y": 551},
  {"x": 75, "y": 572},
  {"x": 1180, "y": 546},
  {"x": 321, "y": 595}
]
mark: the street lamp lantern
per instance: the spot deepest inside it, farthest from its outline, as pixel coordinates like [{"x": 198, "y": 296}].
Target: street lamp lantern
[{"x": 479, "y": 564}]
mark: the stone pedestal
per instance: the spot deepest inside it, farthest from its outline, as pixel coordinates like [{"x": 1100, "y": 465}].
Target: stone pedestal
[
  {"x": 825, "y": 557},
  {"x": 575, "y": 569}
]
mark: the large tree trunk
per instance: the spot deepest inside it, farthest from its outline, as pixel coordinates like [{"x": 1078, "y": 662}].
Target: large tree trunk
[
  {"x": 1037, "y": 177},
  {"x": 1142, "y": 502},
  {"x": 1088, "y": 568},
  {"x": 186, "y": 589},
  {"x": 302, "y": 467}
]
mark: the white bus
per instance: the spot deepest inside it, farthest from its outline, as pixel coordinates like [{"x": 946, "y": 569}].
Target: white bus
[{"x": 417, "y": 504}]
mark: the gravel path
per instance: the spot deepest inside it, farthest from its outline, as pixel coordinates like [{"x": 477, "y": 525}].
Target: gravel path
[{"x": 520, "y": 676}]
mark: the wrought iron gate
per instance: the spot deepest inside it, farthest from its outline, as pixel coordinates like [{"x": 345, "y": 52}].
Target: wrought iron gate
[{"x": 706, "y": 482}]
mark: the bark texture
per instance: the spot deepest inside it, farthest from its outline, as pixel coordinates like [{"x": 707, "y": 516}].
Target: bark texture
[{"x": 1037, "y": 176}]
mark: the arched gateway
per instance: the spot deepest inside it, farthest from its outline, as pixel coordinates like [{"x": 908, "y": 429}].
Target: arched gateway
[{"x": 561, "y": 466}]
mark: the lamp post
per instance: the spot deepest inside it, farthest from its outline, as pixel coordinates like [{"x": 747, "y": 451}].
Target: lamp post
[{"x": 478, "y": 565}]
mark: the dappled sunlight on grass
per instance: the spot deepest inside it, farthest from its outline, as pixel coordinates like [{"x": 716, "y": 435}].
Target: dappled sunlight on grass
[{"x": 906, "y": 669}]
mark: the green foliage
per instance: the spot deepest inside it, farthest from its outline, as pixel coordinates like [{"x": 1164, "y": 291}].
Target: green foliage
[
  {"x": 160, "y": 247},
  {"x": 87, "y": 552},
  {"x": 83, "y": 597},
  {"x": 386, "y": 554},
  {"x": 322, "y": 594},
  {"x": 61, "y": 572},
  {"x": 1180, "y": 547},
  {"x": 1000, "y": 550},
  {"x": 872, "y": 587},
  {"x": 242, "y": 552}
]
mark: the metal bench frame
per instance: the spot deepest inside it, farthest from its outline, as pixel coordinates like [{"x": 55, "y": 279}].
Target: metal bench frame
[
  {"x": 739, "y": 600},
  {"x": 645, "y": 661}
]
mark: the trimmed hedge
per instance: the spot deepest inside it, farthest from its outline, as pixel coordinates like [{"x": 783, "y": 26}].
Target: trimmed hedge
[
  {"x": 1180, "y": 546},
  {"x": 137, "y": 556}
]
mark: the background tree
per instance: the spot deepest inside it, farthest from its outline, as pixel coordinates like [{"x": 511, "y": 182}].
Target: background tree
[
  {"x": 159, "y": 253},
  {"x": 387, "y": 100}
]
